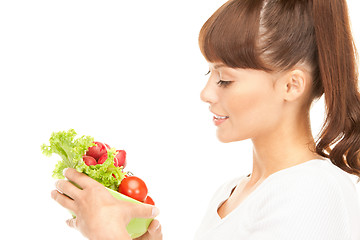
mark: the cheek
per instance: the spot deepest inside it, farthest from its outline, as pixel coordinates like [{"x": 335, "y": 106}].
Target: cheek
[{"x": 252, "y": 108}]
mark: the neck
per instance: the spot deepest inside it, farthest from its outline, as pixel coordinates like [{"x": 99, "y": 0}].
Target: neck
[{"x": 289, "y": 144}]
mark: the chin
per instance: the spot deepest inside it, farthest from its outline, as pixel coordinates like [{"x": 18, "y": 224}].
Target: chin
[
  {"x": 227, "y": 138},
  {"x": 224, "y": 140}
]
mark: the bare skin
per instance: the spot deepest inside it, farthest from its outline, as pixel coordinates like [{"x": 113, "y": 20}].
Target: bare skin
[
  {"x": 272, "y": 110},
  {"x": 269, "y": 109},
  {"x": 108, "y": 221}
]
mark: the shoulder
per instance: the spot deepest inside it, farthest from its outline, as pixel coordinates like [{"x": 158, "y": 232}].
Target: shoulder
[
  {"x": 322, "y": 178},
  {"x": 317, "y": 194},
  {"x": 319, "y": 175},
  {"x": 313, "y": 183}
]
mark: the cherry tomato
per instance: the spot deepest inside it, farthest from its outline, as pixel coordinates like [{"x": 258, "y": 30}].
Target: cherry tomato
[
  {"x": 133, "y": 187},
  {"x": 89, "y": 160},
  {"x": 96, "y": 151},
  {"x": 149, "y": 200}
]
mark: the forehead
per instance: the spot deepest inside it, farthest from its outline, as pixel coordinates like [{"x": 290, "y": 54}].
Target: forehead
[
  {"x": 246, "y": 73},
  {"x": 217, "y": 66}
]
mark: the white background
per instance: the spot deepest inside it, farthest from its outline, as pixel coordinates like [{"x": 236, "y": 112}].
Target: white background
[{"x": 128, "y": 73}]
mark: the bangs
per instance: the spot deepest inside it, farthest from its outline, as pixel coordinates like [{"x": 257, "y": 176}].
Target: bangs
[{"x": 231, "y": 34}]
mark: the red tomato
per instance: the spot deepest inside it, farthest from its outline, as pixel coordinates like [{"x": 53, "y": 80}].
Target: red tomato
[
  {"x": 97, "y": 151},
  {"x": 89, "y": 160},
  {"x": 149, "y": 200},
  {"x": 121, "y": 158},
  {"x": 107, "y": 146},
  {"x": 133, "y": 187}
]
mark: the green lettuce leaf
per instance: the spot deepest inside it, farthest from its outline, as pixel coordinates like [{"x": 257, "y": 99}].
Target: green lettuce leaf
[{"x": 71, "y": 151}]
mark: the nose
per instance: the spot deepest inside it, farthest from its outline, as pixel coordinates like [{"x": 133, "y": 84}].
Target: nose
[{"x": 208, "y": 94}]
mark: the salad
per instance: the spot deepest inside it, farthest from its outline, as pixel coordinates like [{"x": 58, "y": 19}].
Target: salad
[{"x": 98, "y": 161}]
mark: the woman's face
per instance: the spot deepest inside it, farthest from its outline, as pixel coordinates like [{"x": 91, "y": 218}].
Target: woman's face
[{"x": 244, "y": 102}]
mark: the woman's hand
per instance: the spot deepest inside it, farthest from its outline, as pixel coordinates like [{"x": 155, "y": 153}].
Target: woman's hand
[
  {"x": 98, "y": 214},
  {"x": 153, "y": 233}
]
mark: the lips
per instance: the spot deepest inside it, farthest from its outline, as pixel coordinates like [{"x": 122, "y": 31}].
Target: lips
[
  {"x": 219, "y": 119},
  {"x": 217, "y": 116}
]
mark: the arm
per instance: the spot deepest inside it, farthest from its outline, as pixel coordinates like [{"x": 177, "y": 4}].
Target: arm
[{"x": 100, "y": 215}]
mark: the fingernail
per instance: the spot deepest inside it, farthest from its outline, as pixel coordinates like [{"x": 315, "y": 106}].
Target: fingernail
[
  {"x": 155, "y": 212},
  {"x": 57, "y": 186},
  {"x": 64, "y": 171},
  {"x": 53, "y": 194},
  {"x": 157, "y": 226}
]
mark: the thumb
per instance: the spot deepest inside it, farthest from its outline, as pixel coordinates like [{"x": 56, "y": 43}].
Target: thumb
[{"x": 141, "y": 210}]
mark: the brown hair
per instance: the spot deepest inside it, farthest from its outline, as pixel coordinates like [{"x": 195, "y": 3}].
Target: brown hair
[{"x": 276, "y": 35}]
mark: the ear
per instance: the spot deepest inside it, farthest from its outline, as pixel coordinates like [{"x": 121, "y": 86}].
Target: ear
[{"x": 294, "y": 85}]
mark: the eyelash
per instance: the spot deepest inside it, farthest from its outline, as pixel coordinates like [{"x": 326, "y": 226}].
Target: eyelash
[{"x": 221, "y": 83}]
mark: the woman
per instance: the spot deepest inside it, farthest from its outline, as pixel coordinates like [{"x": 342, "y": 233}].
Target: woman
[{"x": 269, "y": 60}]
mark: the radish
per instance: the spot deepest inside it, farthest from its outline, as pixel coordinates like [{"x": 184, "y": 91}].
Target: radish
[
  {"x": 89, "y": 161},
  {"x": 96, "y": 151},
  {"x": 121, "y": 157},
  {"x": 102, "y": 159}
]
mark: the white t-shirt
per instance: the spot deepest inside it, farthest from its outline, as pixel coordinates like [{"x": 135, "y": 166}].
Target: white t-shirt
[{"x": 314, "y": 200}]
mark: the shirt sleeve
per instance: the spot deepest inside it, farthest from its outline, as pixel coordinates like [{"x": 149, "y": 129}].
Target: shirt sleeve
[{"x": 309, "y": 208}]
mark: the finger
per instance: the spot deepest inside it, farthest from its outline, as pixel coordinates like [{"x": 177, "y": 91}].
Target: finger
[
  {"x": 63, "y": 200},
  {"x": 80, "y": 179},
  {"x": 67, "y": 188},
  {"x": 155, "y": 230},
  {"x": 142, "y": 210},
  {"x": 72, "y": 222}
]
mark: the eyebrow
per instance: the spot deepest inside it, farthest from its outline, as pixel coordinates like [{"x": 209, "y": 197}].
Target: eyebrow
[
  {"x": 220, "y": 65},
  {"x": 217, "y": 66}
]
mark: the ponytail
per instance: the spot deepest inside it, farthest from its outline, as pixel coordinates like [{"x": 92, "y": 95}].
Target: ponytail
[
  {"x": 315, "y": 32},
  {"x": 339, "y": 139}
]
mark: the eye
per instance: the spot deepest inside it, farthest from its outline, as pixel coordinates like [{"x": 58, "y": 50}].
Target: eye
[
  {"x": 207, "y": 73},
  {"x": 222, "y": 83}
]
